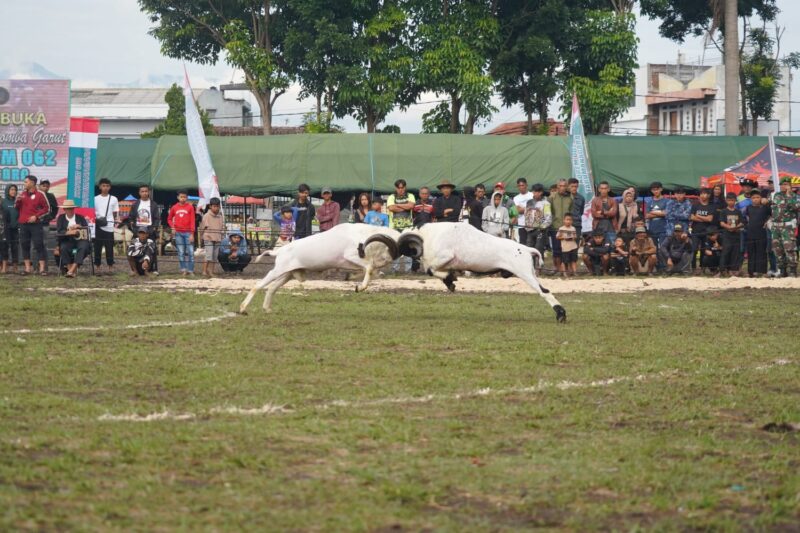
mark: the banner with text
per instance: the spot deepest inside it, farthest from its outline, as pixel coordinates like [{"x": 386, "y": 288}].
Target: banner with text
[
  {"x": 34, "y": 132},
  {"x": 581, "y": 170},
  {"x": 207, "y": 186},
  {"x": 82, "y": 160}
]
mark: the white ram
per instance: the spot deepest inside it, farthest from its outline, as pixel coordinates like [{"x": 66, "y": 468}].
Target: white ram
[
  {"x": 346, "y": 247},
  {"x": 448, "y": 248}
]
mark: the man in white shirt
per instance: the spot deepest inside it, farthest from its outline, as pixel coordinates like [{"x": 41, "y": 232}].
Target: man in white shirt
[
  {"x": 106, "y": 212},
  {"x": 520, "y": 201}
]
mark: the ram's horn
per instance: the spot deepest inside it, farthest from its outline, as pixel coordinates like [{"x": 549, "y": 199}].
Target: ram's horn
[
  {"x": 383, "y": 239},
  {"x": 410, "y": 244}
]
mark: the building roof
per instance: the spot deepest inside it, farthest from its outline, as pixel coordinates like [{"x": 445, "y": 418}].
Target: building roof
[
  {"x": 521, "y": 128},
  {"x": 672, "y": 97},
  {"x": 122, "y": 96},
  {"x": 242, "y": 131}
]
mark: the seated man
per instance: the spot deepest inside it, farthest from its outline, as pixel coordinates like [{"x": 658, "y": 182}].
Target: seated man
[
  {"x": 642, "y": 252},
  {"x": 676, "y": 251},
  {"x": 141, "y": 252},
  {"x": 72, "y": 234},
  {"x": 597, "y": 254},
  {"x": 233, "y": 256}
]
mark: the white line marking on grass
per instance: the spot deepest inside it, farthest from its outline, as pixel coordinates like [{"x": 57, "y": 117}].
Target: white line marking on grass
[
  {"x": 272, "y": 409},
  {"x": 115, "y": 326}
]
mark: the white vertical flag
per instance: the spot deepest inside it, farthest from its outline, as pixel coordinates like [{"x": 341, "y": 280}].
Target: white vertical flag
[
  {"x": 581, "y": 170},
  {"x": 207, "y": 185}
]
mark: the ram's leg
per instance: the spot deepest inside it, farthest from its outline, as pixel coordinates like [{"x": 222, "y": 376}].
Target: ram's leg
[
  {"x": 269, "y": 278},
  {"x": 439, "y": 268},
  {"x": 277, "y": 284},
  {"x": 300, "y": 276},
  {"x": 368, "y": 270},
  {"x": 530, "y": 279}
]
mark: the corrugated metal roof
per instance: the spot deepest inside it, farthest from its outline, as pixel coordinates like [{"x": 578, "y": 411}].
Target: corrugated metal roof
[{"x": 122, "y": 96}]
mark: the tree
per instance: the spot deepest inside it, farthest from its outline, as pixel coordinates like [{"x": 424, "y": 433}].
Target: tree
[
  {"x": 438, "y": 119},
  {"x": 175, "y": 123},
  {"x": 389, "y": 128},
  {"x": 313, "y": 123},
  {"x": 250, "y": 32},
  {"x": 532, "y": 36},
  {"x": 762, "y": 75},
  {"x": 600, "y": 67},
  {"x": 377, "y": 78},
  {"x": 455, "y": 40},
  {"x": 681, "y": 18}
]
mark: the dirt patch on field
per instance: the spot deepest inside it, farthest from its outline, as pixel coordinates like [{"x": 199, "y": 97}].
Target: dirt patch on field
[{"x": 495, "y": 285}]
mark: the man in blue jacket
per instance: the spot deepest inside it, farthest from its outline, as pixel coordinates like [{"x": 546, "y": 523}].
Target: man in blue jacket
[{"x": 233, "y": 256}]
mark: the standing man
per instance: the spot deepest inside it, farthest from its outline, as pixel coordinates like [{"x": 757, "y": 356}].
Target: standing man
[
  {"x": 679, "y": 209},
  {"x": 106, "y": 211},
  {"x": 328, "y": 212},
  {"x": 702, "y": 218},
  {"x": 561, "y": 203},
  {"x": 785, "y": 210},
  {"x": 447, "y": 207},
  {"x": 401, "y": 208},
  {"x": 656, "y": 217},
  {"x": 578, "y": 205},
  {"x": 182, "y": 221},
  {"x": 32, "y": 207},
  {"x": 146, "y": 213},
  {"x": 520, "y": 201},
  {"x": 480, "y": 194},
  {"x": 423, "y": 208},
  {"x": 305, "y": 212},
  {"x": 538, "y": 217}
]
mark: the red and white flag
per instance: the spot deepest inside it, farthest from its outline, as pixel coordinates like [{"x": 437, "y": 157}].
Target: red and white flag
[{"x": 207, "y": 185}]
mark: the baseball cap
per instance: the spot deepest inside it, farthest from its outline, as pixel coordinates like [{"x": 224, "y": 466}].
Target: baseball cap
[
  {"x": 141, "y": 229},
  {"x": 786, "y": 179},
  {"x": 500, "y": 185},
  {"x": 326, "y": 189},
  {"x": 640, "y": 230},
  {"x": 678, "y": 227}
]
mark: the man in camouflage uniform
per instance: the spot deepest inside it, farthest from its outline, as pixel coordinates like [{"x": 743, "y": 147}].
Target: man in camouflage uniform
[{"x": 785, "y": 211}]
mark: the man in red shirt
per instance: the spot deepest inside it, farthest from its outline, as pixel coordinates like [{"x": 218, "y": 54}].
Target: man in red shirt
[
  {"x": 182, "y": 221},
  {"x": 32, "y": 206}
]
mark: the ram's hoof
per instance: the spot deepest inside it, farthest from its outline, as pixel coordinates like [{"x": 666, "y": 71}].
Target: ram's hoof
[
  {"x": 451, "y": 287},
  {"x": 356, "y": 288},
  {"x": 561, "y": 314},
  {"x": 242, "y": 312}
]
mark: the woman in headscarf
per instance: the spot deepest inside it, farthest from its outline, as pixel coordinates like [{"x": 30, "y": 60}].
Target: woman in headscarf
[
  {"x": 9, "y": 247},
  {"x": 628, "y": 213}
]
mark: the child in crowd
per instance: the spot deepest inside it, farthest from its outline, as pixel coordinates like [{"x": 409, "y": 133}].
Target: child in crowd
[
  {"x": 212, "y": 226},
  {"x": 287, "y": 220},
  {"x": 568, "y": 235},
  {"x": 376, "y": 216},
  {"x": 182, "y": 221},
  {"x": 619, "y": 257},
  {"x": 732, "y": 222},
  {"x": 711, "y": 251},
  {"x": 495, "y": 218}
]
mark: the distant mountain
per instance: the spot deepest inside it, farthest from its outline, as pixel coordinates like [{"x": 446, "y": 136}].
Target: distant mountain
[{"x": 29, "y": 71}]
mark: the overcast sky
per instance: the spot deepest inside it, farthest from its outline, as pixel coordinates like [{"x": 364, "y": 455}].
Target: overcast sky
[{"x": 98, "y": 43}]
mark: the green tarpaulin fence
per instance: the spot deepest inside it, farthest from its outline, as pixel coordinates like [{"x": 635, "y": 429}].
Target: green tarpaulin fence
[{"x": 261, "y": 166}]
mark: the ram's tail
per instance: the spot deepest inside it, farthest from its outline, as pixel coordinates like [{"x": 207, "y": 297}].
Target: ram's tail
[{"x": 538, "y": 260}]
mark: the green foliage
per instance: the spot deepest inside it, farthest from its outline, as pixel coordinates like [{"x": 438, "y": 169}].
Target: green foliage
[
  {"x": 600, "y": 67},
  {"x": 322, "y": 125},
  {"x": 389, "y": 128},
  {"x": 455, "y": 41},
  {"x": 684, "y": 18},
  {"x": 175, "y": 123},
  {"x": 379, "y": 78},
  {"x": 438, "y": 120},
  {"x": 249, "y": 31},
  {"x": 761, "y": 73}
]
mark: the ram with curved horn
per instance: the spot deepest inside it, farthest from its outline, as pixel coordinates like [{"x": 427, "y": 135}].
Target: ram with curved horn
[
  {"x": 446, "y": 249},
  {"x": 347, "y": 247}
]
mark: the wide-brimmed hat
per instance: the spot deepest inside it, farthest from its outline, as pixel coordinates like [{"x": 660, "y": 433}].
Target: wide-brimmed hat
[
  {"x": 444, "y": 184},
  {"x": 68, "y": 204}
]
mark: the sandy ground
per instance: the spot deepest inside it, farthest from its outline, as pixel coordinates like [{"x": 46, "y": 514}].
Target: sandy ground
[{"x": 497, "y": 284}]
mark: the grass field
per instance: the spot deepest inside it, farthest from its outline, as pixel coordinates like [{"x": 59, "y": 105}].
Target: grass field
[{"x": 406, "y": 411}]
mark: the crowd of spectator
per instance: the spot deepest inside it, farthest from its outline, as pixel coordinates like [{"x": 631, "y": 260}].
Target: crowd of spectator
[{"x": 628, "y": 235}]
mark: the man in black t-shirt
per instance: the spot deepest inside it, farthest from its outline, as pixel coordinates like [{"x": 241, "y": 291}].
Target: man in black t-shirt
[
  {"x": 732, "y": 222},
  {"x": 702, "y": 217},
  {"x": 597, "y": 254}
]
